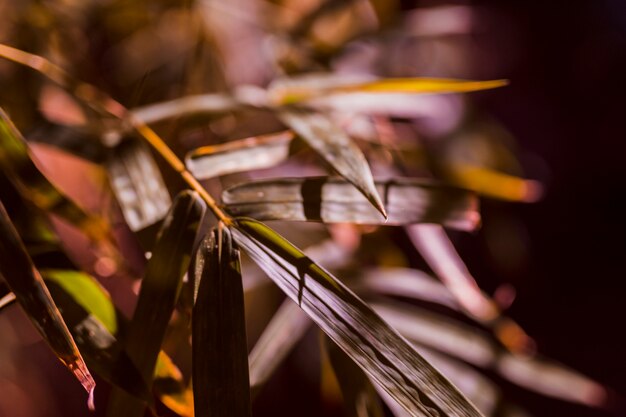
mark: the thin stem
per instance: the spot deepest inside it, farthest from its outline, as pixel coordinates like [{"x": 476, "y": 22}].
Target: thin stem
[{"x": 103, "y": 103}]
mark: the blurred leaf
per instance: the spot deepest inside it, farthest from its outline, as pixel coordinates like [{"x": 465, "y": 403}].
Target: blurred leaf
[
  {"x": 473, "y": 346},
  {"x": 138, "y": 184},
  {"x": 438, "y": 251},
  {"x": 495, "y": 184},
  {"x": 93, "y": 320},
  {"x": 160, "y": 288},
  {"x": 359, "y": 396},
  {"x": 299, "y": 89},
  {"x": 257, "y": 152},
  {"x": 26, "y": 283},
  {"x": 220, "y": 356},
  {"x": 406, "y": 283},
  {"x": 360, "y": 332},
  {"x": 170, "y": 386},
  {"x": 283, "y": 332},
  {"x": 334, "y": 145},
  {"x": 333, "y": 200},
  {"x": 186, "y": 106},
  {"x": 18, "y": 164},
  {"x": 420, "y": 86},
  {"x": 6, "y": 296}
]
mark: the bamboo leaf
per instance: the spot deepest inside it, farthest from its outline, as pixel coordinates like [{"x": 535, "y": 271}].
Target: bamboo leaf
[
  {"x": 186, "y": 106},
  {"x": 138, "y": 185},
  {"x": 220, "y": 356},
  {"x": 350, "y": 323},
  {"x": 94, "y": 323},
  {"x": 334, "y": 145},
  {"x": 300, "y": 89},
  {"x": 160, "y": 288},
  {"x": 359, "y": 396},
  {"x": 420, "y": 86},
  {"x": 495, "y": 184},
  {"x": 257, "y": 152},
  {"x": 468, "y": 344},
  {"x": 333, "y": 200},
  {"x": 26, "y": 283},
  {"x": 20, "y": 168},
  {"x": 283, "y": 332}
]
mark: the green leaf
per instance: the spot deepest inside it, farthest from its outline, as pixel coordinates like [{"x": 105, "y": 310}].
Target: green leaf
[
  {"x": 378, "y": 349},
  {"x": 160, "y": 288},
  {"x": 220, "y": 356},
  {"x": 242, "y": 155},
  {"x": 31, "y": 292},
  {"x": 333, "y": 200},
  {"x": 336, "y": 147}
]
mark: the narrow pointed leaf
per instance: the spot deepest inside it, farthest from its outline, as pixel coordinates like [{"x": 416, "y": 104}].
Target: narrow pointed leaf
[
  {"x": 138, "y": 185},
  {"x": 495, "y": 184},
  {"x": 334, "y": 145},
  {"x": 284, "y": 331},
  {"x": 333, "y": 200},
  {"x": 18, "y": 164},
  {"x": 220, "y": 356},
  {"x": 186, "y": 106},
  {"x": 378, "y": 349},
  {"x": 300, "y": 89},
  {"x": 26, "y": 283},
  {"x": 160, "y": 288},
  {"x": 359, "y": 396},
  {"x": 420, "y": 86},
  {"x": 257, "y": 152},
  {"x": 94, "y": 321},
  {"x": 468, "y": 344}
]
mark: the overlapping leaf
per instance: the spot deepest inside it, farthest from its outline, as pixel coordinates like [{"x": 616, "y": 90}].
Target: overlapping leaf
[
  {"x": 19, "y": 167},
  {"x": 26, "y": 283},
  {"x": 333, "y": 200},
  {"x": 334, "y": 145},
  {"x": 361, "y": 333},
  {"x": 160, "y": 288}
]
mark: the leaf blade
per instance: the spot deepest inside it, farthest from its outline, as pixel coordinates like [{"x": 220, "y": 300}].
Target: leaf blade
[
  {"x": 159, "y": 291},
  {"x": 220, "y": 355},
  {"x": 332, "y": 200},
  {"x": 362, "y": 334},
  {"x": 336, "y": 147},
  {"x": 24, "y": 280}
]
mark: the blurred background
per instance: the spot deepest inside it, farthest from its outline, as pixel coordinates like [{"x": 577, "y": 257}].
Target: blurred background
[{"x": 561, "y": 116}]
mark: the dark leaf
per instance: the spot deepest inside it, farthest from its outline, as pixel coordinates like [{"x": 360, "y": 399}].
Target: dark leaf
[
  {"x": 220, "y": 356},
  {"x": 160, "y": 288},
  {"x": 333, "y": 200}
]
